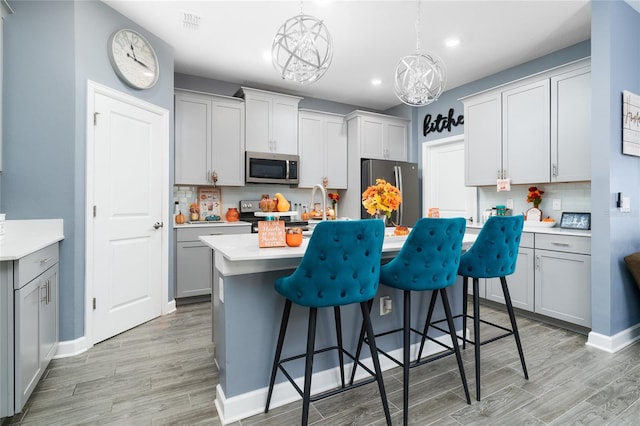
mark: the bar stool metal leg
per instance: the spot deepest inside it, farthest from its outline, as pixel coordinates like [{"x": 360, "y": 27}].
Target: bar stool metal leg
[
  {"x": 276, "y": 360},
  {"x": 360, "y": 343},
  {"x": 432, "y": 305},
  {"x": 336, "y": 313},
  {"x": 514, "y": 326},
  {"x": 476, "y": 333},
  {"x": 465, "y": 291},
  {"x": 366, "y": 319},
  {"x": 406, "y": 356},
  {"x": 308, "y": 365},
  {"x": 454, "y": 340}
]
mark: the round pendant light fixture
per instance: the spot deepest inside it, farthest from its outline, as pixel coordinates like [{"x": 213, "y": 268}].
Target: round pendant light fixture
[
  {"x": 420, "y": 78},
  {"x": 302, "y": 49}
]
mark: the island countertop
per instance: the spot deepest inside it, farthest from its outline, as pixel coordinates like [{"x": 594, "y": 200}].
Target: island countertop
[{"x": 240, "y": 254}]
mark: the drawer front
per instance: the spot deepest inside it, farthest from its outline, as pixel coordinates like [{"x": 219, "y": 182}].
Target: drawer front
[
  {"x": 192, "y": 234},
  {"x": 35, "y": 264},
  {"x": 564, "y": 243}
]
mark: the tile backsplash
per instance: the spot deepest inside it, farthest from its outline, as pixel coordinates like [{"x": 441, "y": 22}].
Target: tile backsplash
[{"x": 574, "y": 197}]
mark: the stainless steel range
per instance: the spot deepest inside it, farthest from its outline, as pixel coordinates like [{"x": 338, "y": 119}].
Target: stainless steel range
[{"x": 247, "y": 208}]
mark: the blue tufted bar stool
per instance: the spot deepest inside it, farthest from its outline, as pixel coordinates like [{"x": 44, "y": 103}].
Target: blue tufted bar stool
[
  {"x": 428, "y": 261},
  {"x": 341, "y": 266},
  {"x": 492, "y": 255}
]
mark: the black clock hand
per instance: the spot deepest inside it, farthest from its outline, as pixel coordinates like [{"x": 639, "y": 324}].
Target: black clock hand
[
  {"x": 133, "y": 51},
  {"x": 137, "y": 60}
]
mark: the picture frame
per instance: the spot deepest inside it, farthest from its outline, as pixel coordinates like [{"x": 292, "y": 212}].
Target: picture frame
[
  {"x": 574, "y": 220},
  {"x": 630, "y": 123},
  {"x": 209, "y": 201}
]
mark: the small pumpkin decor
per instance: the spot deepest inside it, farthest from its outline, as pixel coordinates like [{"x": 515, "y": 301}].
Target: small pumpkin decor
[{"x": 180, "y": 219}]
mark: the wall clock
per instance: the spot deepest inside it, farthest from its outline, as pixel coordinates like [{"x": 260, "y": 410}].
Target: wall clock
[{"x": 133, "y": 59}]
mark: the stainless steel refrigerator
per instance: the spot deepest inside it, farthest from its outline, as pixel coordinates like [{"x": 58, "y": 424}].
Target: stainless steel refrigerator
[{"x": 402, "y": 175}]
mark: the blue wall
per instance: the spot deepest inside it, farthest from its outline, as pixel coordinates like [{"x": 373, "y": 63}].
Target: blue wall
[
  {"x": 51, "y": 49},
  {"x": 615, "y": 31}
]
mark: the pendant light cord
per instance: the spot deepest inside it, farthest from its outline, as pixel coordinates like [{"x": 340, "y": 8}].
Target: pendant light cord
[{"x": 418, "y": 29}]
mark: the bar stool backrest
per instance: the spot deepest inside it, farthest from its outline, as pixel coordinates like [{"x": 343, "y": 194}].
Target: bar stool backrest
[
  {"x": 340, "y": 266},
  {"x": 429, "y": 258},
  {"x": 495, "y": 251}
]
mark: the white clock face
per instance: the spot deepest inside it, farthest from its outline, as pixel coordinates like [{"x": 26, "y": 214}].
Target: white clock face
[{"x": 133, "y": 59}]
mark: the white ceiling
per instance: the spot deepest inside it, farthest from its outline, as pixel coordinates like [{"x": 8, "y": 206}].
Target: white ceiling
[{"x": 369, "y": 39}]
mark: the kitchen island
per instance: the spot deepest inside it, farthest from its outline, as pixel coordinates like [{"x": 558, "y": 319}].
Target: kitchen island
[{"x": 247, "y": 312}]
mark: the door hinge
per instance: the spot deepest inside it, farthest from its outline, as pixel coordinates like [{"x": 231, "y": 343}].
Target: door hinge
[
  {"x": 94, "y": 211},
  {"x": 95, "y": 118},
  {"x": 94, "y": 303}
]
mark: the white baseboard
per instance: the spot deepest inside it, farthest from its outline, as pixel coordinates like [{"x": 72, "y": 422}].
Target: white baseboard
[
  {"x": 251, "y": 403},
  {"x": 616, "y": 342},
  {"x": 170, "y": 307},
  {"x": 72, "y": 347}
]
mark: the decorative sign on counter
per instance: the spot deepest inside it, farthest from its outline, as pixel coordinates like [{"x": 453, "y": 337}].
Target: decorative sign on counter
[{"x": 271, "y": 233}]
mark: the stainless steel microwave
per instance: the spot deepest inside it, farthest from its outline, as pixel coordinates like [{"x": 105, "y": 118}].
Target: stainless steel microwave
[{"x": 267, "y": 167}]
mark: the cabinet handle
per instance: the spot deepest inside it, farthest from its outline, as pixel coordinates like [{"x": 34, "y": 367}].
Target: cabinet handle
[
  {"x": 555, "y": 170},
  {"x": 43, "y": 293},
  {"x": 43, "y": 261},
  {"x": 537, "y": 263},
  {"x": 555, "y": 243}
]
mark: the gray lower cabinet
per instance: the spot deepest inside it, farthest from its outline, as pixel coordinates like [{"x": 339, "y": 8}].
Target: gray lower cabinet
[
  {"x": 194, "y": 260},
  {"x": 521, "y": 282},
  {"x": 552, "y": 277},
  {"x": 563, "y": 278},
  {"x": 36, "y": 319},
  {"x": 6, "y": 339}
]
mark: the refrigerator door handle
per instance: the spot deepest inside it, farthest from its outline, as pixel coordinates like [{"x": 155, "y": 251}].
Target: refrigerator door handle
[{"x": 398, "y": 173}]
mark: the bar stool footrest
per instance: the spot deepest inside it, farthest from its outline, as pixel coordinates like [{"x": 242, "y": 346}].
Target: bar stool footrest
[
  {"x": 509, "y": 332},
  {"x": 331, "y": 392}
]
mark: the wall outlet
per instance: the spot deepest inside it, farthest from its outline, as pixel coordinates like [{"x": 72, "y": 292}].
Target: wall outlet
[
  {"x": 510, "y": 203},
  {"x": 557, "y": 204},
  {"x": 385, "y": 305}
]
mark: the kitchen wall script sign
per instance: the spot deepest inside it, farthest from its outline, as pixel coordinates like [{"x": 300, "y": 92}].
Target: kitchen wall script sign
[
  {"x": 441, "y": 123},
  {"x": 630, "y": 123}
]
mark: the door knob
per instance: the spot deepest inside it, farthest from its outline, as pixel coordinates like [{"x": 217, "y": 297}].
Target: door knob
[{"x": 158, "y": 225}]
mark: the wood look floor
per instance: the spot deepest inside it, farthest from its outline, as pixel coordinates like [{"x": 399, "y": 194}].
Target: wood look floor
[{"x": 162, "y": 373}]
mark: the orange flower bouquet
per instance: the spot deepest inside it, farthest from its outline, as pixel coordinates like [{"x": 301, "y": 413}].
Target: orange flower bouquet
[
  {"x": 381, "y": 198},
  {"x": 535, "y": 196}
]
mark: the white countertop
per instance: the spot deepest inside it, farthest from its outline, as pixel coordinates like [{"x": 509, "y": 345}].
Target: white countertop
[
  {"x": 23, "y": 237},
  {"x": 204, "y": 224},
  {"x": 244, "y": 247},
  {"x": 543, "y": 230}
]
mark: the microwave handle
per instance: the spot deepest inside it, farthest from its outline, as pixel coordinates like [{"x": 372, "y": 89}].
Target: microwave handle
[{"x": 288, "y": 171}]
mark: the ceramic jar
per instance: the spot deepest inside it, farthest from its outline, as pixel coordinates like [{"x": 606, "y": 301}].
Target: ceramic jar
[
  {"x": 294, "y": 237},
  {"x": 232, "y": 214}
]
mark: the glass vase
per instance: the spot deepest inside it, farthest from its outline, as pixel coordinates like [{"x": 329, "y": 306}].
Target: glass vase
[{"x": 380, "y": 215}]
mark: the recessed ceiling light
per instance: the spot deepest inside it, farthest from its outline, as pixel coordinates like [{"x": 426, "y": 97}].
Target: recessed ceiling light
[
  {"x": 376, "y": 82},
  {"x": 452, "y": 42}
]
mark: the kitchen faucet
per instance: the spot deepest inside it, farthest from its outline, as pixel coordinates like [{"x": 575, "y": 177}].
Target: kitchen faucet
[{"x": 324, "y": 199}]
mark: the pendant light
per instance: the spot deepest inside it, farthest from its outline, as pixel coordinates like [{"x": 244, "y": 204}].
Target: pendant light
[
  {"x": 302, "y": 49},
  {"x": 419, "y": 78}
]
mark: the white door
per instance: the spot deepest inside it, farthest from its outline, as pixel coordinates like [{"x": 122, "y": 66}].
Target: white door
[
  {"x": 126, "y": 256},
  {"x": 443, "y": 178}
]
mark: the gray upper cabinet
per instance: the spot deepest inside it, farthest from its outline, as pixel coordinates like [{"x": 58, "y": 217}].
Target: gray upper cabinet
[
  {"x": 322, "y": 146},
  {"x": 483, "y": 140},
  {"x": 525, "y": 133},
  {"x": 570, "y": 126},
  {"x": 535, "y": 130},
  {"x": 271, "y": 122},
  {"x": 209, "y": 141}
]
